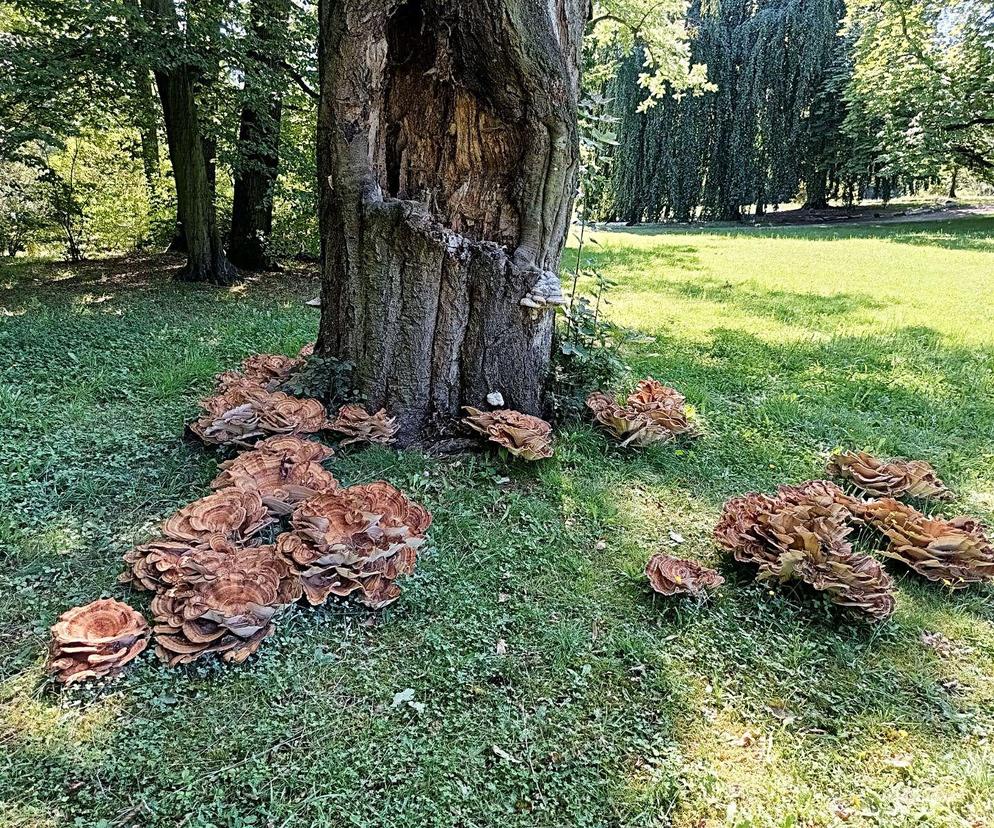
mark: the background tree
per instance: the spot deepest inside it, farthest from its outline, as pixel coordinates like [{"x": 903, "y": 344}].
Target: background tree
[
  {"x": 177, "y": 75},
  {"x": 741, "y": 142},
  {"x": 923, "y": 84},
  {"x": 257, "y": 163}
]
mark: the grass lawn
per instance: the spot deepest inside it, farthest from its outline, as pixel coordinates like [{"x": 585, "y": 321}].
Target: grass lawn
[{"x": 549, "y": 688}]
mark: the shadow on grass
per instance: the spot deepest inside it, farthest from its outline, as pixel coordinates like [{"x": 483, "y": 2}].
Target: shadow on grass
[
  {"x": 102, "y": 280},
  {"x": 679, "y": 256},
  {"x": 777, "y": 407},
  {"x": 792, "y": 307},
  {"x": 971, "y": 234}
]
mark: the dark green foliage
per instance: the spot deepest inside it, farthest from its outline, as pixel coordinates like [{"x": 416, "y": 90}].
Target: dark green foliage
[
  {"x": 715, "y": 153},
  {"x": 324, "y": 378}
]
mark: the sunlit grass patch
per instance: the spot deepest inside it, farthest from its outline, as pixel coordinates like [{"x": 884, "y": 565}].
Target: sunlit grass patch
[{"x": 550, "y": 686}]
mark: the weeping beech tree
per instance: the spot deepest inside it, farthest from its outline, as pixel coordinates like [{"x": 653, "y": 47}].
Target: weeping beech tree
[
  {"x": 448, "y": 157},
  {"x": 711, "y": 155}
]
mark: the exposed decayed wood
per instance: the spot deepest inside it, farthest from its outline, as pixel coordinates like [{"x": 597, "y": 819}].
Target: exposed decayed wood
[{"x": 448, "y": 161}]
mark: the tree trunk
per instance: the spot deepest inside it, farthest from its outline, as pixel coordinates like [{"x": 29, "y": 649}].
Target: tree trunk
[
  {"x": 816, "y": 190},
  {"x": 448, "y": 135},
  {"x": 258, "y": 145},
  {"x": 952, "y": 181},
  {"x": 191, "y": 166},
  {"x": 148, "y": 132}
]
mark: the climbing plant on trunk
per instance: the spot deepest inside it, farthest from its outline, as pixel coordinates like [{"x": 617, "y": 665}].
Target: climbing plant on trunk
[{"x": 447, "y": 146}]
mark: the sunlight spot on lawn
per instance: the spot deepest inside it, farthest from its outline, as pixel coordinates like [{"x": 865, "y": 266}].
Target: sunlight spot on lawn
[{"x": 59, "y": 721}]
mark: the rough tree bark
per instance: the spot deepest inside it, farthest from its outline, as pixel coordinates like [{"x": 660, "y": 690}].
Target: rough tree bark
[
  {"x": 206, "y": 261},
  {"x": 448, "y": 152},
  {"x": 258, "y": 144},
  {"x": 816, "y": 190}
]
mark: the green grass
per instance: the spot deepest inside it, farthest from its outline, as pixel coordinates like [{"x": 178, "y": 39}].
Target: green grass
[{"x": 759, "y": 708}]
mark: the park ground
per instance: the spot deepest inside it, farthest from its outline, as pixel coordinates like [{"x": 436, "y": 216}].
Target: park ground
[{"x": 526, "y": 677}]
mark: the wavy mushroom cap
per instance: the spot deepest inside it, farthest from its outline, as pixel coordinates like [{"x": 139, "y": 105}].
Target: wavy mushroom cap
[
  {"x": 281, "y": 413},
  {"x": 154, "y": 565},
  {"x": 955, "y": 552},
  {"x": 270, "y": 473},
  {"x": 232, "y": 513},
  {"x": 96, "y": 640},
  {"x": 358, "y": 425},
  {"x": 599, "y": 401},
  {"x": 651, "y": 414},
  {"x": 896, "y": 477},
  {"x": 736, "y": 528},
  {"x": 269, "y": 368},
  {"x": 393, "y": 506},
  {"x": 334, "y": 519},
  {"x": 99, "y": 622},
  {"x": 298, "y": 449},
  {"x": 652, "y": 394},
  {"x": 523, "y": 435},
  {"x": 223, "y": 603},
  {"x": 673, "y": 576},
  {"x": 850, "y": 579},
  {"x": 802, "y": 533},
  {"x": 355, "y": 542},
  {"x": 629, "y": 427},
  {"x": 246, "y": 411}
]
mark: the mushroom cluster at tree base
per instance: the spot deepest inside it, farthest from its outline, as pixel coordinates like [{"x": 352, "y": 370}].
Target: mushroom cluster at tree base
[
  {"x": 652, "y": 413},
  {"x": 522, "y": 435},
  {"x": 357, "y": 425}
]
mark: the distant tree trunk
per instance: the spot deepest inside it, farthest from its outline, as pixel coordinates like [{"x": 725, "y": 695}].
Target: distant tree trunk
[
  {"x": 448, "y": 134},
  {"x": 191, "y": 166},
  {"x": 148, "y": 132},
  {"x": 952, "y": 181},
  {"x": 816, "y": 190},
  {"x": 258, "y": 145}
]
